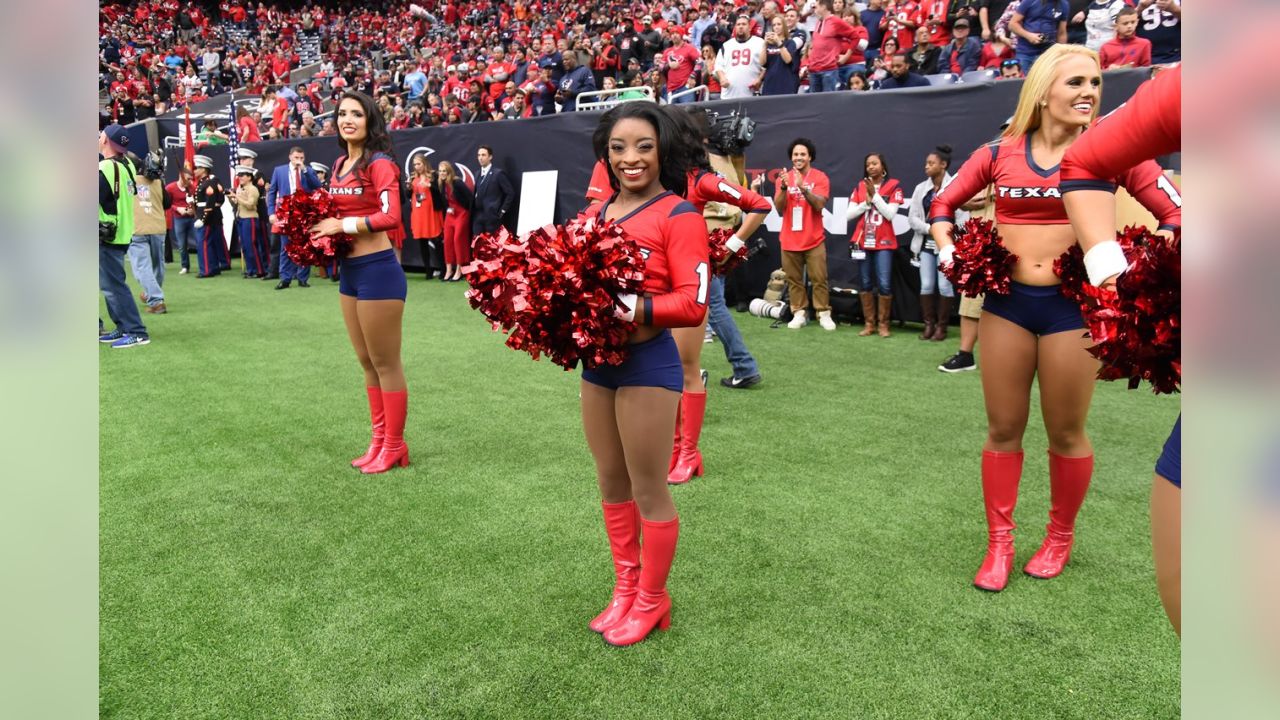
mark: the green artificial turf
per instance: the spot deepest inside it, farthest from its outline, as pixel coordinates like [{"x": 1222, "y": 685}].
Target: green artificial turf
[{"x": 823, "y": 570}]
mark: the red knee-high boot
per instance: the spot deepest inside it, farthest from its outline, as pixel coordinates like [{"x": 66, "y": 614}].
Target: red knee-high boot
[
  {"x": 394, "y": 451},
  {"x": 652, "y": 607},
  {"x": 675, "y": 441},
  {"x": 1001, "y": 472},
  {"x": 622, "y": 524},
  {"x": 1068, "y": 483},
  {"x": 693, "y": 407},
  {"x": 378, "y": 420}
]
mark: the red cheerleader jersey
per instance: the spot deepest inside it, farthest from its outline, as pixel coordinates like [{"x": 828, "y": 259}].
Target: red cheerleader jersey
[
  {"x": 672, "y": 237},
  {"x": 1026, "y": 194},
  {"x": 706, "y": 187},
  {"x": 373, "y": 195},
  {"x": 1147, "y": 126}
]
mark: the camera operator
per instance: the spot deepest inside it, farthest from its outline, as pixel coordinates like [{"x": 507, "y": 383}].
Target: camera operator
[
  {"x": 117, "y": 186},
  {"x": 146, "y": 252}
]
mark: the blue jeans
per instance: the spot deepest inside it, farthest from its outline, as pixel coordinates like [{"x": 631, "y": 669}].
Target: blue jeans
[
  {"x": 289, "y": 270},
  {"x": 146, "y": 255},
  {"x": 690, "y": 97},
  {"x": 824, "y": 81},
  {"x": 847, "y": 71},
  {"x": 120, "y": 305},
  {"x": 882, "y": 260},
  {"x": 1027, "y": 59},
  {"x": 744, "y": 366},
  {"x": 184, "y": 239},
  {"x": 931, "y": 279}
]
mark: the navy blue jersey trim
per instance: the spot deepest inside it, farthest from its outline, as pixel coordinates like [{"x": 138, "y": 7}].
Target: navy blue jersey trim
[
  {"x": 632, "y": 214},
  {"x": 1031, "y": 161},
  {"x": 1067, "y": 186},
  {"x": 684, "y": 206}
]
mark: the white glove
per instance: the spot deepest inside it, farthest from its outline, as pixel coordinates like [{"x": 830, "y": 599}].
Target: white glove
[
  {"x": 1104, "y": 261},
  {"x": 946, "y": 255},
  {"x": 628, "y": 310},
  {"x": 199, "y": 224},
  {"x": 735, "y": 243}
]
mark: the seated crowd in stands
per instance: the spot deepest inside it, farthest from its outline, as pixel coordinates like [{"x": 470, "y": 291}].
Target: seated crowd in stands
[{"x": 458, "y": 62}]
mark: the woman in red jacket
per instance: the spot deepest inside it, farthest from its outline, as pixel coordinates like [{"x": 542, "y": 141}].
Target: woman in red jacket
[
  {"x": 366, "y": 194},
  {"x": 425, "y": 216},
  {"x": 457, "y": 221},
  {"x": 874, "y": 204},
  {"x": 629, "y": 410}
]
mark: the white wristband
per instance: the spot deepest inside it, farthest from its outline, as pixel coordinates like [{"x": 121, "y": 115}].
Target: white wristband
[
  {"x": 199, "y": 224},
  {"x": 350, "y": 225},
  {"x": 1105, "y": 260},
  {"x": 628, "y": 310},
  {"x": 735, "y": 243},
  {"x": 946, "y": 255}
]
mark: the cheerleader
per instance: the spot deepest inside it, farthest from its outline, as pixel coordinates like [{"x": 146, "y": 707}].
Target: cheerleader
[
  {"x": 629, "y": 410},
  {"x": 705, "y": 186},
  {"x": 424, "y": 218},
  {"x": 1147, "y": 126},
  {"x": 457, "y": 220},
  {"x": 1035, "y": 332},
  {"x": 874, "y": 203},
  {"x": 366, "y": 193}
]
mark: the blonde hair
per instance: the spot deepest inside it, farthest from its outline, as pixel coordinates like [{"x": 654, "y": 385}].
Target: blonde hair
[
  {"x": 1035, "y": 89},
  {"x": 446, "y": 174}
]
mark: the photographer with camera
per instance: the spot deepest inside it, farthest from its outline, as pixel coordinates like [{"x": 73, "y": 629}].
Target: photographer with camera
[
  {"x": 117, "y": 186},
  {"x": 146, "y": 252}
]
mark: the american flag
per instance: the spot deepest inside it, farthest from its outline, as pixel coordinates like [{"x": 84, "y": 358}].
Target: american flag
[{"x": 233, "y": 143}]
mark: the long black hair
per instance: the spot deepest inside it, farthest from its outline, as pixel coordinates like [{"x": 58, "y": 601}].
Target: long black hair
[
  {"x": 678, "y": 149},
  {"x": 883, "y": 164},
  {"x": 697, "y": 124},
  {"x": 376, "y": 140}
]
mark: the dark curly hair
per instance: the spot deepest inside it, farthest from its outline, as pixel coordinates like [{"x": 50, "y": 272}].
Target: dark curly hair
[
  {"x": 678, "y": 149},
  {"x": 376, "y": 140}
]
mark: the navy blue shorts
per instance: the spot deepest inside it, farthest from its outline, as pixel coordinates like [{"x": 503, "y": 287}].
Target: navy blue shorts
[
  {"x": 376, "y": 276},
  {"x": 652, "y": 363},
  {"x": 1169, "y": 466},
  {"x": 1040, "y": 310}
]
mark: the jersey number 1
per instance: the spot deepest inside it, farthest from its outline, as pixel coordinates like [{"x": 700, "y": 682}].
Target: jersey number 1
[{"x": 703, "y": 279}]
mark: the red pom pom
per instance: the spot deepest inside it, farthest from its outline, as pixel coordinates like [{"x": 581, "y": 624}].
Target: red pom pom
[
  {"x": 300, "y": 212},
  {"x": 981, "y": 263},
  {"x": 1137, "y": 327},
  {"x": 1070, "y": 268},
  {"x": 724, "y": 260},
  {"x": 554, "y": 290}
]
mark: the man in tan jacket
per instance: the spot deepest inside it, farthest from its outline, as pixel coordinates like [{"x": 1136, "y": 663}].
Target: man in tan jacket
[{"x": 146, "y": 252}]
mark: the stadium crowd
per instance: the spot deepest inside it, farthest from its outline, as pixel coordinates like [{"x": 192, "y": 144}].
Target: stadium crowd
[{"x": 459, "y": 62}]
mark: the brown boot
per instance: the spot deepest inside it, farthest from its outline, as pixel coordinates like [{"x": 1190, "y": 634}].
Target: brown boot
[
  {"x": 886, "y": 303},
  {"x": 868, "y": 314},
  {"x": 928, "y": 309},
  {"x": 944, "y": 316}
]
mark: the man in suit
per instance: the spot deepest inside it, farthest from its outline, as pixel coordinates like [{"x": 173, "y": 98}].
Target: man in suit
[
  {"x": 493, "y": 195},
  {"x": 285, "y": 181}
]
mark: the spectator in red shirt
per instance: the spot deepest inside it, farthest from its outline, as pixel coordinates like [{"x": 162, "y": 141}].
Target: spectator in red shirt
[
  {"x": 246, "y": 128},
  {"x": 801, "y": 194},
  {"x": 1127, "y": 49},
  {"x": 933, "y": 16},
  {"x": 830, "y": 38},
  {"x": 677, "y": 63},
  {"x": 995, "y": 52}
]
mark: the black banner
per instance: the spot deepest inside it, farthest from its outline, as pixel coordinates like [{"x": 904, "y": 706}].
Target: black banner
[{"x": 902, "y": 125}]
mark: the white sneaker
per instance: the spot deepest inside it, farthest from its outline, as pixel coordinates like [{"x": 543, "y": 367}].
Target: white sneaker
[
  {"x": 800, "y": 320},
  {"x": 824, "y": 319},
  {"x": 183, "y": 271}
]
